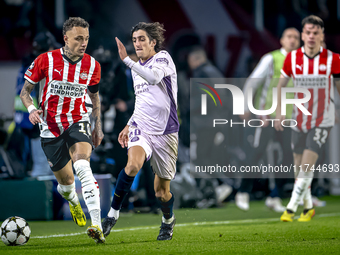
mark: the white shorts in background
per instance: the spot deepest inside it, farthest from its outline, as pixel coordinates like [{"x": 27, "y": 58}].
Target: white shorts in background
[{"x": 160, "y": 149}]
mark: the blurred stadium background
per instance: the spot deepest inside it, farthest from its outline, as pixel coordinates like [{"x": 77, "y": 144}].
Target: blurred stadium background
[{"x": 234, "y": 34}]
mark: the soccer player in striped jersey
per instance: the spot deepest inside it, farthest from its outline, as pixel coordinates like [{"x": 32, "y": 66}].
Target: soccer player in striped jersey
[
  {"x": 312, "y": 67},
  {"x": 70, "y": 74},
  {"x": 152, "y": 131},
  {"x": 262, "y": 80}
]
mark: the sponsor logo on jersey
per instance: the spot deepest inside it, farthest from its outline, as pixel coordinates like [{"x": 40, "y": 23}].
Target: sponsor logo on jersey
[
  {"x": 322, "y": 67},
  {"x": 299, "y": 67},
  {"x": 162, "y": 60},
  {"x": 59, "y": 72},
  {"x": 134, "y": 139},
  {"x": 67, "y": 89},
  {"x": 83, "y": 75},
  {"x": 28, "y": 73}
]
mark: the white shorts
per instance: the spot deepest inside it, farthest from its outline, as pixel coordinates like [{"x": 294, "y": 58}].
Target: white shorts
[{"x": 160, "y": 149}]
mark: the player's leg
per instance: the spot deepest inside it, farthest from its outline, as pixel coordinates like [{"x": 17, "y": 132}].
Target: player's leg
[
  {"x": 309, "y": 158},
  {"x": 67, "y": 189},
  {"x": 136, "y": 158},
  {"x": 262, "y": 137},
  {"x": 166, "y": 202},
  {"x": 303, "y": 180},
  {"x": 59, "y": 160},
  {"x": 79, "y": 143},
  {"x": 298, "y": 141},
  {"x": 139, "y": 150},
  {"x": 163, "y": 163}
]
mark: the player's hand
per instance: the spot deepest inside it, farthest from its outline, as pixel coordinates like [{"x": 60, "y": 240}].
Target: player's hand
[
  {"x": 97, "y": 137},
  {"x": 34, "y": 116},
  {"x": 121, "y": 49},
  {"x": 277, "y": 124},
  {"x": 123, "y": 137}
]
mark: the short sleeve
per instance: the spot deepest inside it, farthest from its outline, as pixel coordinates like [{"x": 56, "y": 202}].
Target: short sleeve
[
  {"x": 335, "y": 64},
  {"x": 36, "y": 71},
  {"x": 287, "y": 66},
  {"x": 96, "y": 75}
]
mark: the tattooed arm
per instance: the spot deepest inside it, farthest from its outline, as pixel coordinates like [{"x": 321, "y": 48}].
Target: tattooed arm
[
  {"x": 27, "y": 100},
  {"x": 97, "y": 134}
]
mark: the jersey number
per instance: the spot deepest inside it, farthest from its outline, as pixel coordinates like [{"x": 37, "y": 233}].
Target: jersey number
[
  {"x": 85, "y": 128},
  {"x": 318, "y": 138}
]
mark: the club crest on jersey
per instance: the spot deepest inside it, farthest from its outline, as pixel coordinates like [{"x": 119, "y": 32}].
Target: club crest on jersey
[
  {"x": 322, "y": 67},
  {"x": 83, "y": 75}
]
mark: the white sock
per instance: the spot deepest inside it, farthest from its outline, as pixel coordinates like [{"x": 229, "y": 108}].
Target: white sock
[
  {"x": 95, "y": 218},
  {"x": 307, "y": 200},
  {"x": 89, "y": 185},
  {"x": 113, "y": 213},
  {"x": 301, "y": 185},
  {"x": 69, "y": 193},
  {"x": 168, "y": 221}
]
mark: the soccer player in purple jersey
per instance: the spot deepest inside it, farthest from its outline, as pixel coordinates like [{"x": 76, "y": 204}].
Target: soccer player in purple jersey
[{"x": 152, "y": 131}]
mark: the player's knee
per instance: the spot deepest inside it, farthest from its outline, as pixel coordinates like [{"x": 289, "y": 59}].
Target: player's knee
[{"x": 132, "y": 169}]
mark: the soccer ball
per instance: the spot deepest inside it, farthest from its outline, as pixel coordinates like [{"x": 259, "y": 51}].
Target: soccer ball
[{"x": 15, "y": 231}]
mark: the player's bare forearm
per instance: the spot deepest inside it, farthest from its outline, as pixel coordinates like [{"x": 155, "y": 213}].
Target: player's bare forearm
[
  {"x": 25, "y": 96},
  {"x": 97, "y": 134},
  {"x": 96, "y": 109}
]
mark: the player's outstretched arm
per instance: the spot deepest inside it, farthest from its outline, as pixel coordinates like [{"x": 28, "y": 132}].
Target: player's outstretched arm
[
  {"x": 97, "y": 133},
  {"x": 282, "y": 83},
  {"x": 153, "y": 75},
  {"x": 123, "y": 137},
  {"x": 27, "y": 100}
]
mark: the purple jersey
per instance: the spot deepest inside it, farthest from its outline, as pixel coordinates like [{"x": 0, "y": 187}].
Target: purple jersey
[{"x": 155, "y": 86}]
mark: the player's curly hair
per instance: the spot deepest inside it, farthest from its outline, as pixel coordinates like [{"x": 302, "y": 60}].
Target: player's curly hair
[
  {"x": 312, "y": 19},
  {"x": 155, "y": 31},
  {"x": 74, "y": 22}
]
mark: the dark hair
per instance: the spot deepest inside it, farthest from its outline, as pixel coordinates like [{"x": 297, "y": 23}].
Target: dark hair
[
  {"x": 74, "y": 22},
  {"x": 312, "y": 19},
  {"x": 153, "y": 30}
]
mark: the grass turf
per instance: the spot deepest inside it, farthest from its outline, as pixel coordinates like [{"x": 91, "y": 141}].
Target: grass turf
[{"x": 211, "y": 231}]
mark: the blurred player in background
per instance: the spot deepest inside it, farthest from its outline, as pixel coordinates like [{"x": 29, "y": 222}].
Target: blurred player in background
[
  {"x": 262, "y": 80},
  {"x": 64, "y": 125},
  {"x": 311, "y": 67},
  {"x": 152, "y": 131}
]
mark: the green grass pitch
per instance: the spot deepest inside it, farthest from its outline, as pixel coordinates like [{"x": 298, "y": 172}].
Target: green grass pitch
[{"x": 225, "y": 230}]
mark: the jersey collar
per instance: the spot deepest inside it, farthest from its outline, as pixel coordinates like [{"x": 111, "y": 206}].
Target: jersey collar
[
  {"x": 303, "y": 51},
  {"x": 284, "y": 52},
  {"x": 69, "y": 60}
]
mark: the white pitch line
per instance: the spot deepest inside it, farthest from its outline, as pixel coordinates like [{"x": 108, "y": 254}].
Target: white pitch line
[{"x": 324, "y": 215}]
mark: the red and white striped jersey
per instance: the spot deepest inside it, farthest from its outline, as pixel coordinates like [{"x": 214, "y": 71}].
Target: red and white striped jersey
[
  {"x": 64, "y": 92},
  {"x": 314, "y": 74}
]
